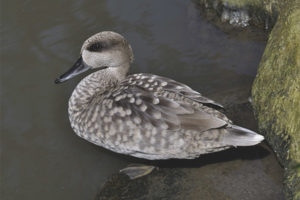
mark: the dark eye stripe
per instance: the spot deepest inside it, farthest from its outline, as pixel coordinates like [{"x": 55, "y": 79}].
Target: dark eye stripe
[{"x": 95, "y": 47}]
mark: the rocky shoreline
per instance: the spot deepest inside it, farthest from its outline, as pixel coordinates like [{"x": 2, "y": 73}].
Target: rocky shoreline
[{"x": 275, "y": 91}]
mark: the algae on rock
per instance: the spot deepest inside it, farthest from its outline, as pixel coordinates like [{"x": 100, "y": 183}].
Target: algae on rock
[{"x": 276, "y": 94}]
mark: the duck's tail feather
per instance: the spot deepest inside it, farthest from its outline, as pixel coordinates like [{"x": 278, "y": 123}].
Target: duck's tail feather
[{"x": 239, "y": 136}]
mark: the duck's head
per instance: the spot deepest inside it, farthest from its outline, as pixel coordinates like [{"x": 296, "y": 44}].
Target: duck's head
[{"x": 103, "y": 51}]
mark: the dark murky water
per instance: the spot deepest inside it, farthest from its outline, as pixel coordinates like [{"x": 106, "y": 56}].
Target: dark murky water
[{"x": 41, "y": 157}]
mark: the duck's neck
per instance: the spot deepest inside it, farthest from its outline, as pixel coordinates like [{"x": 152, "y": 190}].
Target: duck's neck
[{"x": 93, "y": 86}]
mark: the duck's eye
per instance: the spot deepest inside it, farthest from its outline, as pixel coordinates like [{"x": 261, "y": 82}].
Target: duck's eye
[{"x": 95, "y": 47}]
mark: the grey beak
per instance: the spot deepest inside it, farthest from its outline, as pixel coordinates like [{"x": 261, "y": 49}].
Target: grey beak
[{"x": 78, "y": 68}]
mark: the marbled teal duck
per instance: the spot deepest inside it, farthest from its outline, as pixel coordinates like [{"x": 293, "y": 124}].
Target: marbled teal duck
[{"x": 144, "y": 115}]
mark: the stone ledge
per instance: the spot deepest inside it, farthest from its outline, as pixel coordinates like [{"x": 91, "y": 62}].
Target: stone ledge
[{"x": 276, "y": 94}]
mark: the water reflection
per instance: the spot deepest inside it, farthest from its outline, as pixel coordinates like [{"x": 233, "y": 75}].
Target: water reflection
[{"x": 41, "y": 156}]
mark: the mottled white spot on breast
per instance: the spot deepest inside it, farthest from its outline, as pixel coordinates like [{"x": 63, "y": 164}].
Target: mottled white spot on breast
[
  {"x": 164, "y": 84},
  {"x": 109, "y": 104},
  {"x": 148, "y": 134},
  {"x": 152, "y": 140},
  {"x": 125, "y": 138},
  {"x": 154, "y": 131},
  {"x": 122, "y": 113},
  {"x": 146, "y": 85},
  {"x": 173, "y": 137},
  {"x": 138, "y": 102},
  {"x": 151, "y": 149},
  {"x": 121, "y": 127},
  {"x": 112, "y": 131},
  {"x": 180, "y": 142},
  {"x": 116, "y": 143},
  {"x": 115, "y": 94},
  {"x": 128, "y": 112},
  {"x": 137, "y": 120},
  {"x": 131, "y": 100},
  {"x": 162, "y": 142},
  {"x": 118, "y": 138},
  {"x": 129, "y": 123},
  {"x": 143, "y": 108},
  {"x": 99, "y": 134},
  {"x": 111, "y": 112},
  {"x": 155, "y": 101},
  {"x": 102, "y": 113},
  {"x": 88, "y": 124},
  {"x": 107, "y": 119},
  {"x": 148, "y": 125},
  {"x": 118, "y": 98},
  {"x": 137, "y": 135},
  {"x": 95, "y": 113},
  {"x": 96, "y": 126},
  {"x": 164, "y": 133},
  {"x": 157, "y": 115}
]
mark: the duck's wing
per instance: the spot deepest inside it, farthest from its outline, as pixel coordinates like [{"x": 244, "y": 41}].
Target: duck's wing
[
  {"x": 157, "y": 83},
  {"x": 140, "y": 100}
]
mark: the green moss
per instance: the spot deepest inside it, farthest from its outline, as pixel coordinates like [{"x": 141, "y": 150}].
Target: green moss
[
  {"x": 243, "y": 3},
  {"x": 276, "y": 93}
]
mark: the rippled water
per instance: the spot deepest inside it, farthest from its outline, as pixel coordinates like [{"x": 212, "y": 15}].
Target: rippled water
[{"x": 41, "y": 157}]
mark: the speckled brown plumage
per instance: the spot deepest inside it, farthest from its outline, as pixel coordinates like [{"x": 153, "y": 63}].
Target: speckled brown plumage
[{"x": 145, "y": 115}]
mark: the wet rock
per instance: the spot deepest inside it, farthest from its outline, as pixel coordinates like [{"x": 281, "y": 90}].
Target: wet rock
[
  {"x": 276, "y": 94},
  {"x": 241, "y": 13},
  {"x": 244, "y": 177},
  {"x": 240, "y": 173}
]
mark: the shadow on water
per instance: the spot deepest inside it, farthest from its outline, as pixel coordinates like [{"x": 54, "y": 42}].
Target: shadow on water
[{"x": 239, "y": 153}]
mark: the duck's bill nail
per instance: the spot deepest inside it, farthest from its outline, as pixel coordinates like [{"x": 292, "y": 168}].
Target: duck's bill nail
[{"x": 78, "y": 68}]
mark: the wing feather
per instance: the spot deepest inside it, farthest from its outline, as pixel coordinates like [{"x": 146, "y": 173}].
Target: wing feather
[{"x": 140, "y": 97}]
